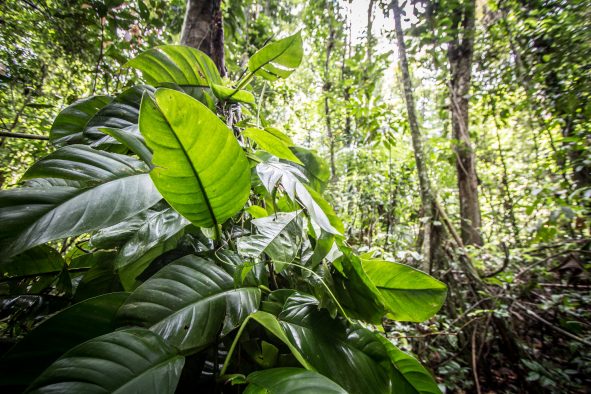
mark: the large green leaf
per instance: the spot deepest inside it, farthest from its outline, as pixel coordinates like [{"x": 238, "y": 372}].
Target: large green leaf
[
  {"x": 134, "y": 360},
  {"x": 200, "y": 168},
  {"x": 316, "y": 170},
  {"x": 118, "y": 234},
  {"x": 349, "y": 355},
  {"x": 290, "y": 380},
  {"x": 121, "y": 113},
  {"x": 279, "y": 236},
  {"x": 116, "y": 187},
  {"x": 190, "y": 302},
  {"x": 85, "y": 165},
  {"x": 101, "y": 277},
  {"x": 133, "y": 142},
  {"x": 271, "y": 324},
  {"x": 52, "y": 338},
  {"x": 355, "y": 291},
  {"x": 274, "y": 173},
  {"x": 147, "y": 243},
  {"x": 409, "y": 294},
  {"x": 71, "y": 122},
  {"x": 278, "y": 59},
  {"x": 412, "y": 378},
  {"x": 225, "y": 93},
  {"x": 271, "y": 143},
  {"x": 178, "y": 64},
  {"x": 36, "y": 261}
]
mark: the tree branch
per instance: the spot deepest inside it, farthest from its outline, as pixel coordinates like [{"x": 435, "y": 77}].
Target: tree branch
[{"x": 6, "y": 134}]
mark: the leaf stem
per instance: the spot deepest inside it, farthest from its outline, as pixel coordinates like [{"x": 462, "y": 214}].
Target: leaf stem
[
  {"x": 233, "y": 346},
  {"x": 242, "y": 83}
]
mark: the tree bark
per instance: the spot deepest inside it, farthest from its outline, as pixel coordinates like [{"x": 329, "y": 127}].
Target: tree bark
[
  {"x": 369, "y": 30},
  {"x": 460, "y": 51},
  {"x": 428, "y": 207},
  {"x": 326, "y": 89},
  {"x": 203, "y": 28}
]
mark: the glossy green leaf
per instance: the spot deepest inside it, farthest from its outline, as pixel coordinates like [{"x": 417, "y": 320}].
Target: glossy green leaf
[
  {"x": 134, "y": 142},
  {"x": 271, "y": 324},
  {"x": 121, "y": 113},
  {"x": 274, "y": 173},
  {"x": 101, "y": 278},
  {"x": 409, "y": 294},
  {"x": 279, "y": 236},
  {"x": 134, "y": 360},
  {"x": 42, "y": 259},
  {"x": 119, "y": 233},
  {"x": 116, "y": 187},
  {"x": 281, "y": 135},
  {"x": 71, "y": 121},
  {"x": 70, "y": 327},
  {"x": 148, "y": 242},
  {"x": 200, "y": 168},
  {"x": 351, "y": 356},
  {"x": 315, "y": 168},
  {"x": 190, "y": 302},
  {"x": 271, "y": 144},
  {"x": 177, "y": 64},
  {"x": 412, "y": 376},
  {"x": 290, "y": 380},
  {"x": 278, "y": 59},
  {"x": 225, "y": 93},
  {"x": 256, "y": 211},
  {"x": 355, "y": 291},
  {"x": 85, "y": 165}
]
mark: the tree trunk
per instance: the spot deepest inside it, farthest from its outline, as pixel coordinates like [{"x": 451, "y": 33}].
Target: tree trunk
[
  {"x": 428, "y": 207},
  {"x": 203, "y": 28},
  {"x": 459, "y": 55},
  {"x": 326, "y": 89},
  {"x": 369, "y": 30}
]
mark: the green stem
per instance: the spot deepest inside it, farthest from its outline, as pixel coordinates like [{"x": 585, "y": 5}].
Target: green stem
[
  {"x": 245, "y": 322},
  {"x": 260, "y": 104},
  {"x": 241, "y": 84},
  {"x": 233, "y": 346},
  {"x": 218, "y": 236}
]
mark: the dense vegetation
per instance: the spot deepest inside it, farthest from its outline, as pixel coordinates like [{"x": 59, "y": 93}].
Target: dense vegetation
[{"x": 327, "y": 196}]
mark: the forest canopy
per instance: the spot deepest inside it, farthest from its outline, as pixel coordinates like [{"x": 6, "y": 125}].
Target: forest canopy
[{"x": 340, "y": 196}]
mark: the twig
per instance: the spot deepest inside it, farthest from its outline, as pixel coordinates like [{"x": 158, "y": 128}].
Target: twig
[
  {"x": 7, "y": 134},
  {"x": 505, "y": 262},
  {"x": 552, "y": 326},
  {"x": 474, "y": 362},
  {"x": 532, "y": 265},
  {"x": 437, "y": 333}
]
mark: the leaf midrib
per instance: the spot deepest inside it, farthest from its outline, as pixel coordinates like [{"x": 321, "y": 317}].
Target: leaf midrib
[
  {"x": 193, "y": 169},
  {"x": 168, "y": 360},
  {"x": 415, "y": 290},
  {"x": 209, "y": 298},
  {"x": 272, "y": 59}
]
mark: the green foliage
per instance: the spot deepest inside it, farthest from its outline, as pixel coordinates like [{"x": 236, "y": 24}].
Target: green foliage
[
  {"x": 173, "y": 228},
  {"x": 278, "y": 59},
  {"x": 70, "y": 327},
  {"x": 406, "y": 292},
  {"x": 288, "y": 380},
  {"x": 207, "y": 186},
  {"x": 133, "y": 359}
]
